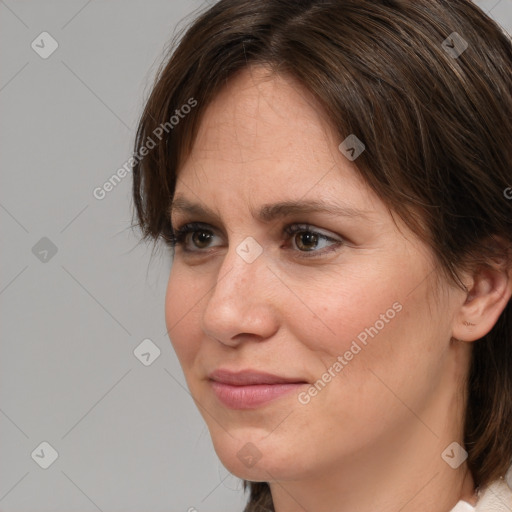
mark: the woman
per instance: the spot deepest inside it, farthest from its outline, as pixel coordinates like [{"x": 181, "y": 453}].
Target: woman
[{"x": 333, "y": 180}]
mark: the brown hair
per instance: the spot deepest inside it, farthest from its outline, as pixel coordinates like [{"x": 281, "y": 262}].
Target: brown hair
[{"x": 437, "y": 127}]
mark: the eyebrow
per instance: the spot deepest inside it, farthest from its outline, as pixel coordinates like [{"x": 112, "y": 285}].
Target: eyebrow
[{"x": 269, "y": 212}]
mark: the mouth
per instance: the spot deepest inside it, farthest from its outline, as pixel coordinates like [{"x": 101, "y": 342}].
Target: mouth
[{"x": 250, "y": 389}]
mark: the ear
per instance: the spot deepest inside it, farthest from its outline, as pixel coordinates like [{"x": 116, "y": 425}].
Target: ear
[{"x": 488, "y": 291}]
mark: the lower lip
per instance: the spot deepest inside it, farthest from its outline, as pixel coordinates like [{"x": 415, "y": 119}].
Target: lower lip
[{"x": 250, "y": 397}]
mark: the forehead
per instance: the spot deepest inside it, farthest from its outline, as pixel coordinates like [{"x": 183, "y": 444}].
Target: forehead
[
  {"x": 264, "y": 139},
  {"x": 260, "y": 110}
]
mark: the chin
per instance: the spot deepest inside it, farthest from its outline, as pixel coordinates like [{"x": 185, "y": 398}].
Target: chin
[{"x": 251, "y": 457}]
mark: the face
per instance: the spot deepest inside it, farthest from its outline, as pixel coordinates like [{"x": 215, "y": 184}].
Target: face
[{"x": 330, "y": 298}]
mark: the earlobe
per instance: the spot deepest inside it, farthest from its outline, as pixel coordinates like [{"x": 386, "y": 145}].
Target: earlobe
[{"x": 487, "y": 296}]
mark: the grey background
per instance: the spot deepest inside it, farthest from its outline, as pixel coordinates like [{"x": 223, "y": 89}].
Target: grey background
[{"x": 128, "y": 436}]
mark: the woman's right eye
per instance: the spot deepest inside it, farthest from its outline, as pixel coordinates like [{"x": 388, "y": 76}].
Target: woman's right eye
[{"x": 198, "y": 234}]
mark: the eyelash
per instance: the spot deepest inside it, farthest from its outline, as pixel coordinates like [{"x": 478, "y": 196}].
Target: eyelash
[{"x": 179, "y": 235}]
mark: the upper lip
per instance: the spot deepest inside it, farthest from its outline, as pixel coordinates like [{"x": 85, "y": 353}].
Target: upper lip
[{"x": 249, "y": 377}]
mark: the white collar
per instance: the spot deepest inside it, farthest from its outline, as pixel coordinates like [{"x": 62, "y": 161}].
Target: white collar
[{"x": 496, "y": 497}]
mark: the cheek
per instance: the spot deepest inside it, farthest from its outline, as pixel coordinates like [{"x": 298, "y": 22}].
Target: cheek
[
  {"x": 182, "y": 316},
  {"x": 339, "y": 310},
  {"x": 365, "y": 337}
]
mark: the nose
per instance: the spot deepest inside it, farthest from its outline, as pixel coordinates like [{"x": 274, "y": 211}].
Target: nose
[{"x": 241, "y": 306}]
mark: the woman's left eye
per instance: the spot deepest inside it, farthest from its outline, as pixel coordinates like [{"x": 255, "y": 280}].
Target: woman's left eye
[
  {"x": 305, "y": 239},
  {"x": 309, "y": 240}
]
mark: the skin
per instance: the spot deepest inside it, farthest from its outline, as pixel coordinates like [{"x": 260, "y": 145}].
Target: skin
[{"x": 372, "y": 438}]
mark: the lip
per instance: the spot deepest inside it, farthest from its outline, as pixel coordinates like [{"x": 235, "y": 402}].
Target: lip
[
  {"x": 250, "y": 377},
  {"x": 249, "y": 389}
]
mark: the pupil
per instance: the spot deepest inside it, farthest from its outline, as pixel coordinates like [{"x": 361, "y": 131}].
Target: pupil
[
  {"x": 201, "y": 237},
  {"x": 310, "y": 240}
]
